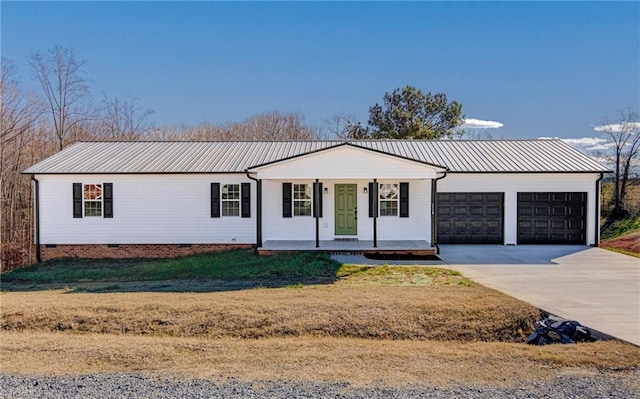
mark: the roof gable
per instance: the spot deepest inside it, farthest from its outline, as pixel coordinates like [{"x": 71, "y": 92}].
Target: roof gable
[{"x": 346, "y": 161}]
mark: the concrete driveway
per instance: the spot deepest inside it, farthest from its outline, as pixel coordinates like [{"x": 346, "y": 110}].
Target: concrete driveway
[{"x": 598, "y": 288}]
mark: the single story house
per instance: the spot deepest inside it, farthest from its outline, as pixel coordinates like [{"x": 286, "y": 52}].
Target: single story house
[{"x": 161, "y": 199}]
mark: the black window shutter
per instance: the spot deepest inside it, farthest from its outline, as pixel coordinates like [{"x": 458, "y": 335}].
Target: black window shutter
[
  {"x": 77, "y": 200},
  {"x": 286, "y": 200},
  {"x": 245, "y": 195},
  {"x": 317, "y": 200},
  {"x": 215, "y": 200},
  {"x": 404, "y": 200},
  {"x": 107, "y": 195},
  {"x": 371, "y": 200}
]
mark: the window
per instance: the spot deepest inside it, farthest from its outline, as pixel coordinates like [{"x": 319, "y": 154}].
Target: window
[
  {"x": 231, "y": 200},
  {"x": 388, "y": 196},
  {"x": 92, "y": 199},
  {"x": 302, "y": 200}
]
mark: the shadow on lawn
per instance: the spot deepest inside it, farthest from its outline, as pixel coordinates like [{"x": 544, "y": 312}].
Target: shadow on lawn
[
  {"x": 197, "y": 286},
  {"x": 231, "y": 271}
]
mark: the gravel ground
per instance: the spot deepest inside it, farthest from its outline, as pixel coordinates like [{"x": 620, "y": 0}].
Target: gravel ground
[{"x": 144, "y": 386}]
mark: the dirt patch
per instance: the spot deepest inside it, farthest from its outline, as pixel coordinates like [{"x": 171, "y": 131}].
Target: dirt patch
[{"x": 628, "y": 242}]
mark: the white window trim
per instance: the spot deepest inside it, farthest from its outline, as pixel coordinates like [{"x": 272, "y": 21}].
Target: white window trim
[
  {"x": 101, "y": 200},
  {"x": 294, "y": 200},
  {"x": 397, "y": 200},
  {"x": 238, "y": 200}
]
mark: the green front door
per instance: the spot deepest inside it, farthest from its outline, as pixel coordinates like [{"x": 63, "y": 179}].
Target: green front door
[{"x": 346, "y": 210}]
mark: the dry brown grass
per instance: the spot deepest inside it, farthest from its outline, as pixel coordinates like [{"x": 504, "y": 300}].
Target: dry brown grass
[
  {"x": 358, "y": 361},
  {"x": 390, "y": 326},
  {"x": 456, "y": 312}
]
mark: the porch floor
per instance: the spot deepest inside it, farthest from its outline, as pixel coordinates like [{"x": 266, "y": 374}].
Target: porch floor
[{"x": 347, "y": 246}]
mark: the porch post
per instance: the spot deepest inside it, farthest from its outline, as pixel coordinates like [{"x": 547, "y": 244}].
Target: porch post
[
  {"x": 316, "y": 202},
  {"x": 375, "y": 213},
  {"x": 434, "y": 194}
]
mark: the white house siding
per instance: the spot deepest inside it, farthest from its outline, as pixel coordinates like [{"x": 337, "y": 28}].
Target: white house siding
[
  {"x": 512, "y": 183},
  {"x": 148, "y": 209},
  {"x": 175, "y": 208},
  {"x": 416, "y": 227}
]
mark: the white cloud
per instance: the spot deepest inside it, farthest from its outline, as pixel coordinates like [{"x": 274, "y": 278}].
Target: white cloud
[
  {"x": 480, "y": 124},
  {"x": 585, "y": 141},
  {"x": 616, "y": 127},
  {"x": 601, "y": 147}
]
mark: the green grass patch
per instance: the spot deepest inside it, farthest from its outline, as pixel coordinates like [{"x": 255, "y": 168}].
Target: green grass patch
[
  {"x": 364, "y": 270},
  {"x": 403, "y": 276},
  {"x": 620, "y": 227},
  {"x": 232, "y": 265},
  {"x": 234, "y": 269}
]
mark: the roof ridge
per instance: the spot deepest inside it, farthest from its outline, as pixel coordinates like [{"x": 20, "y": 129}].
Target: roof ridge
[{"x": 320, "y": 141}]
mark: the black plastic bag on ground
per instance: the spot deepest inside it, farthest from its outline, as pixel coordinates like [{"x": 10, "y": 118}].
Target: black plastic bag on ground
[{"x": 552, "y": 331}]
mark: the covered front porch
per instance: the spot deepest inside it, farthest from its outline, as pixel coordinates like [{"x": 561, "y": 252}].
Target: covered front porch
[
  {"x": 414, "y": 247},
  {"x": 345, "y": 199}
]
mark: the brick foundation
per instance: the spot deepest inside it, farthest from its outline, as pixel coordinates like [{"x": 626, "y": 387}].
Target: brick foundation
[{"x": 97, "y": 251}]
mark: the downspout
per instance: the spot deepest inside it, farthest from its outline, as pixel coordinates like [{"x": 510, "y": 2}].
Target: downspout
[
  {"x": 258, "y": 210},
  {"x": 36, "y": 216},
  {"x": 434, "y": 204},
  {"x": 597, "y": 219}
]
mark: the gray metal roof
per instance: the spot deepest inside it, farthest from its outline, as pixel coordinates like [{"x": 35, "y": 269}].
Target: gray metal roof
[{"x": 219, "y": 157}]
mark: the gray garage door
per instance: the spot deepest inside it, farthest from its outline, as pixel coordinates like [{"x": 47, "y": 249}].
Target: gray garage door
[
  {"x": 551, "y": 218},
  {"x": 470, "y": 218}
]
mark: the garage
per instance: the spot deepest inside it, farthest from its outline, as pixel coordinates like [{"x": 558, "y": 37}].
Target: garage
[
  {"x": 552, "y": 218},
  {"x": 470, "y": 218}
]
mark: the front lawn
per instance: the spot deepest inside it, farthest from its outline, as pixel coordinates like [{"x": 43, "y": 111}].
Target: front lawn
[
  {"x": 232, "y": 265},
  {"x": 330, "y": 322}
]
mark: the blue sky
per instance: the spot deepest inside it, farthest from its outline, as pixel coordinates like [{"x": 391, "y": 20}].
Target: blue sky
[{"x": 541, "y": 69}]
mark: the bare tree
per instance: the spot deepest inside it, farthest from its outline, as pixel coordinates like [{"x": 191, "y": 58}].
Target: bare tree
[
  {"x": 340, "y": 125},
  {"x": 125, "y": 119},
  {"x": 18, "y": 110},
  {"x": 624, "y": 134},
  {"x": 19, "y": 113},
  {"x": 262, "y": 127},
  {"x": 273, "y": 126},
  {"x": 65, "y": 90},
  {"x": 186, "y": 132},
  {"x": 473, "y": 134},
  {"x": 33, "y": 128}
]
